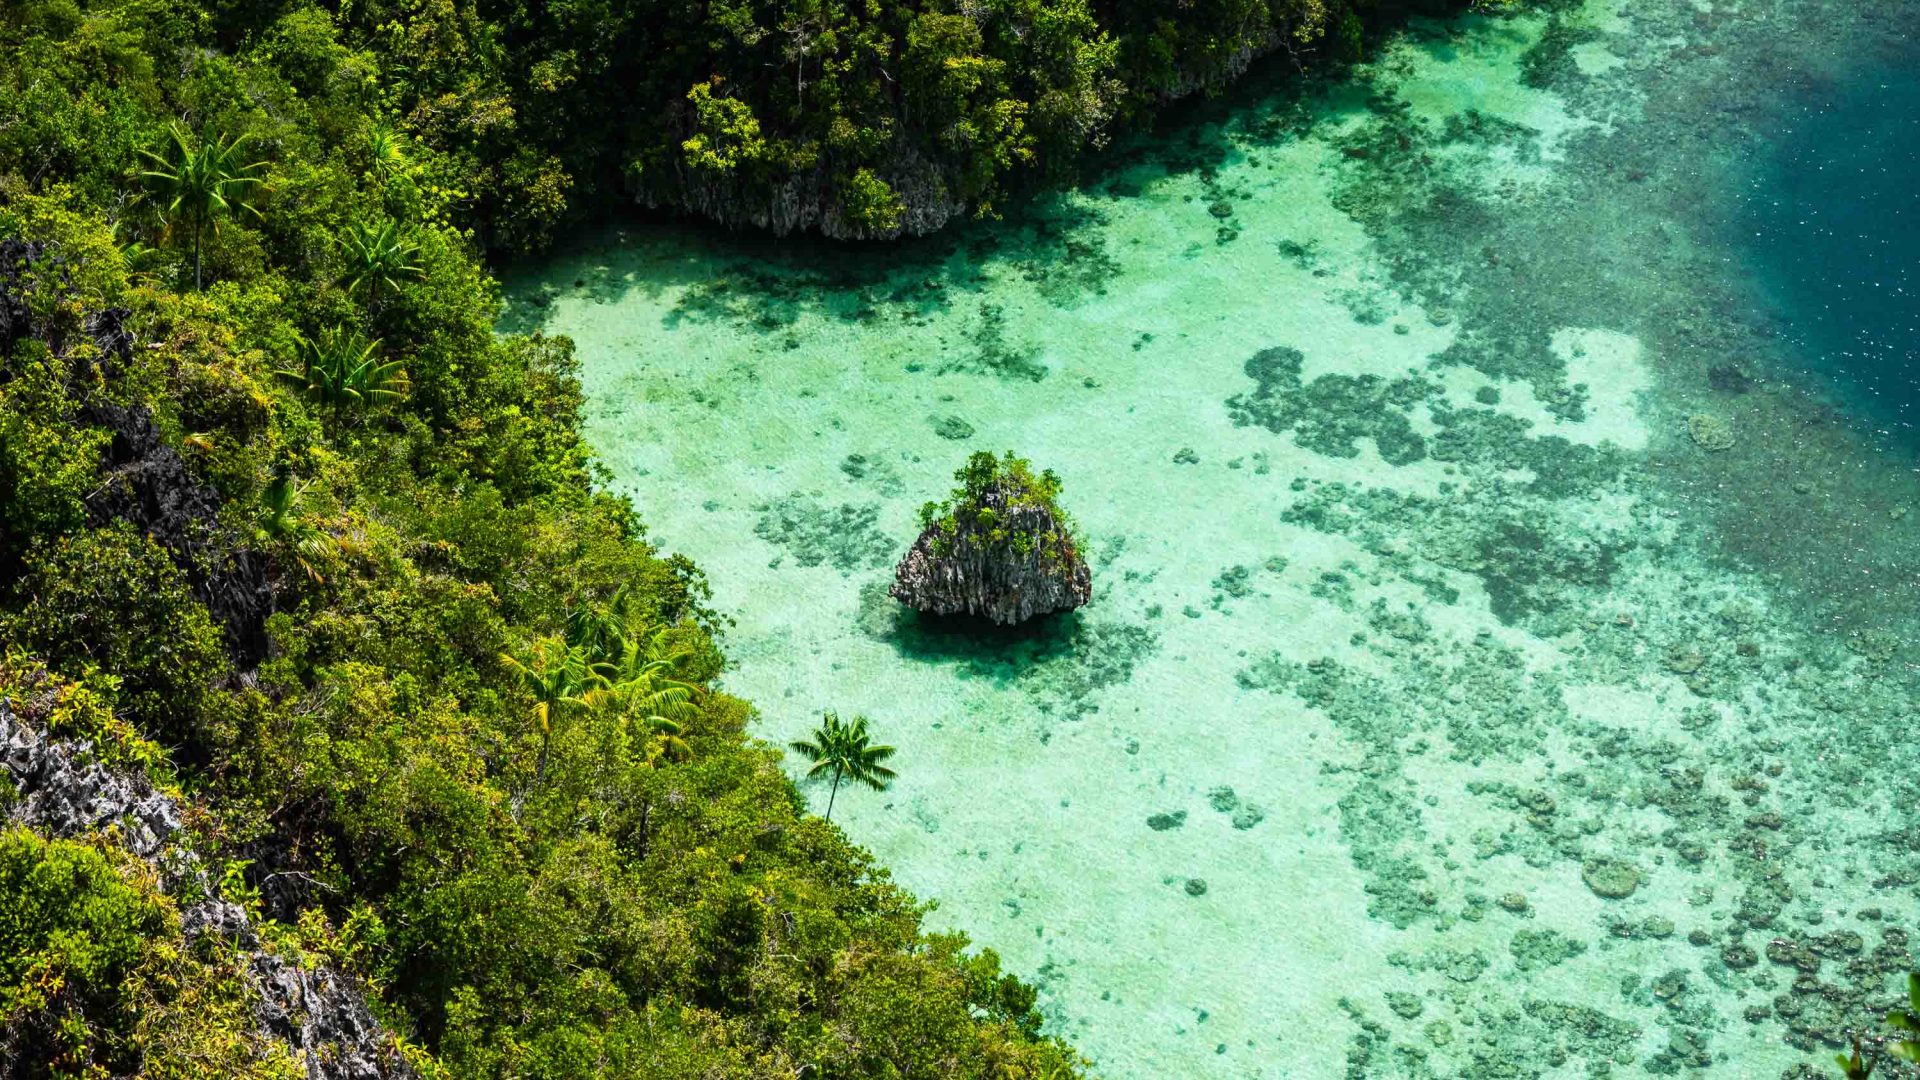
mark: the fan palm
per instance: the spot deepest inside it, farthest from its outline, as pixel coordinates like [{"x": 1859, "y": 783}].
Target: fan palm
[
  {"x": 203, "y": 185},
  {"x": 377, "y": 255},
  {"x": 343, "y": 368},
  {"x": 560, "y": 681},
  {"x": 279, "y": 523},
  {"x": 844, "y": 750}
]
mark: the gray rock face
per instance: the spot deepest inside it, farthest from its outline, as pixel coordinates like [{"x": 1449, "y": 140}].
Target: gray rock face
[
  {"x": 60, "y": 793},
  {"x": 143, "y": 479},
  {"x": 971, "y": 574},
  {"x": 324, "y": 1018}
]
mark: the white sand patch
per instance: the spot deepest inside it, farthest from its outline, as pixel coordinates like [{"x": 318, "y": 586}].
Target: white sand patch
[
  {"x": 1604, "y": 704},
  {"x": 1608, "y": 364},
  {"x": 1594, "y": 58}
]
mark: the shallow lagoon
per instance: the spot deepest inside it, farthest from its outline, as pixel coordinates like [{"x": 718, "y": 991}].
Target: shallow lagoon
[{"x": 1503, "y": 654}]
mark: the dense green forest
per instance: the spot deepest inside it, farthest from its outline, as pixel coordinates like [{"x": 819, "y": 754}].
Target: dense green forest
[
  {"x": 854, "y": 117},
  {"x": 285, "y": 525}
]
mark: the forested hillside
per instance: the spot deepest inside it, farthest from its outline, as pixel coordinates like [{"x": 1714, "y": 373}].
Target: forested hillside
[
  {"x": 287, "y": 532},
  {"x": 857, "y": 118},
  {"x": 285, "y": 526}
]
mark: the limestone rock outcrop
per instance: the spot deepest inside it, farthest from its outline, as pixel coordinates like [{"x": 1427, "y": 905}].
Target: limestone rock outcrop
[
  {"x": 1001, "y": 551},
  {"x": 61, "y": 792}
]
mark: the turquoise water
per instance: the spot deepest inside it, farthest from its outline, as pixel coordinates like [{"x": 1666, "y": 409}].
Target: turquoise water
[
  {"x": 1835, "y": 227},
  {"x": 1502, "y": 660}
]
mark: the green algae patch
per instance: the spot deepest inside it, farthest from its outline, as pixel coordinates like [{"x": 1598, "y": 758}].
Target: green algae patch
[
  {"x": 816, "y": 533},
  {"x": 1536, "y": 949},
  {"x": 1328, "y": 414},
  {"x": 1163, "y": 822}
]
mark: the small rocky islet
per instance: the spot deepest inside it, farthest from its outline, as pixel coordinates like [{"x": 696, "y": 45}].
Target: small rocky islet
[{"x": 1000, "y": 548}]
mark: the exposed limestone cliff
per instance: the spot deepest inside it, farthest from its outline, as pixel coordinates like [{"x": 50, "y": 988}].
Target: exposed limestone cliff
[
  {"x": 61, "y": 792},
  {"x": 143, "y": 479},
  {"x": 1000, "y": 549}
]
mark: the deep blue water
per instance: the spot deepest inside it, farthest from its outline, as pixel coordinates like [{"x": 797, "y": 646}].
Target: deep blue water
[{"x": 1834, "y": 220}]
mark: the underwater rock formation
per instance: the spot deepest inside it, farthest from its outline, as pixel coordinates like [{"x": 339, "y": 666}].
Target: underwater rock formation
[
  {"x": 1000, "y": 548},
  {"x": 59, "y": 790}
]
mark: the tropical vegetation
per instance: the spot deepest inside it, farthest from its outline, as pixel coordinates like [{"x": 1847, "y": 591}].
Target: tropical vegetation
[
  {"x": 845, "y": 751},
  {"x": 289, "y": 528},
  {"x": 989, "y": 491}
]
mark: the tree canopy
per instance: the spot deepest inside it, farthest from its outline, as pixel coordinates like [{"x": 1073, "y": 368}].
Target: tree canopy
[{"x": 290, "y": 528}]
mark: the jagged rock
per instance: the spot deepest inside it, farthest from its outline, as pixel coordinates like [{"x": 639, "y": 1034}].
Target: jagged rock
[
  {"x": 61, "y": 793},
  {"x": 325, "y": 1019},
  {"x": 1000, "y": 549},
  {"x": 16, "y": 317},
  {"x": 929, "y": 187},
  {"x": 144, "y": 480}
]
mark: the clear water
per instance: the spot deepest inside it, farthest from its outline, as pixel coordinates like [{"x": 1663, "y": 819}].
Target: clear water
[
  {"x": 1503, "y": 657},
  {"x": 1835, "y": 227}
]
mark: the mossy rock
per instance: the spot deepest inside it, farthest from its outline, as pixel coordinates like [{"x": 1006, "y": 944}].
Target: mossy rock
[
  {"x": 1710, "y": 432},
  {"x": 999, "y": 547}
]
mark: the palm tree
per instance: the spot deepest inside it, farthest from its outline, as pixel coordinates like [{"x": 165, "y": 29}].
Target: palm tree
[
  {"x": 601, "y": 629},
  {"x": 377, "y": 255},
  {"x": 560, "y": 680},
  {"x": 279, "y": 523},
  {"x": 386, "y": 150},
  {"x": 843, "y": 748},
  {"x": 203, "y": 186},
  {"x": 641, "y": 681},
  {"x": 343, "y": 368}
]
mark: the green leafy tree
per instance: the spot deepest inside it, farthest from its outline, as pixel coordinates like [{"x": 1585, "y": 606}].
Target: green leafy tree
[
  {"x": 203, "y": 185},
  {"x": 377, "y": 256},
  {"x": 868, "y": 202},
  {"x": 844, "y": 750},
  {"x": 727, "y": 135},
  {"x": 344, "y": 370},
  {"x": 114, "y": 599}
]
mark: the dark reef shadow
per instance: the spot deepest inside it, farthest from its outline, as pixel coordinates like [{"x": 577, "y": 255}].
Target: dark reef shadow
[{"x": 977, "y": 648}]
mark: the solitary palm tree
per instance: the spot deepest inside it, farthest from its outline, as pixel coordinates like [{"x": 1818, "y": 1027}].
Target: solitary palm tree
[
  {"x": 377, "y": 255},
  {"x": 843, "y": 749},
  {"x": 344, "y": 369},
  {"x": 279, "y": 523},
  {"x": 203, "y": 185},
  {"x": 386, "y": 150}
]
